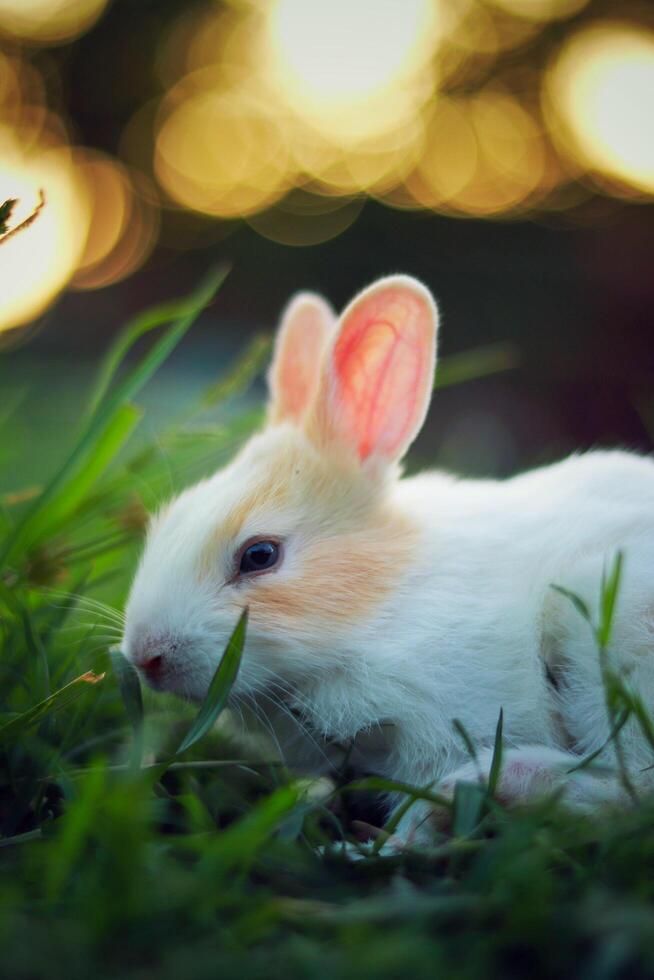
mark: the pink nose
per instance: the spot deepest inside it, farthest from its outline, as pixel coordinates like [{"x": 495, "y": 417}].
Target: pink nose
[
  {"x": 152, "y": 665},
  {"x": 147, "y": 654}
]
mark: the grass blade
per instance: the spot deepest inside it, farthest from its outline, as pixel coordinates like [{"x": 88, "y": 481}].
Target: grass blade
[
  {"x": 576, "y": 601},
  {"x": 469, "y": 806},
  {"x": 461, "y": 730},
  {"x": 238, "y": 845},
  {"x": 74, "y": 830},
  {"x": 478, "y": 363},
  {"x": 609, "y": 596},
  {"x": 622, "y": 719},
  {"x": 60, "y": 699},
  {"x": 24, "y": 838},
  {"x": 496, "y": 762},
  {"x": 246, "y": 368},
  {"x": 73, "y": 492},
  {"x": 220, "y": 686},
  {"x": 144, "y": 323},
  {"x": 381, "y": 785},
  {"x": 393, "y": 822},
  {"x": 106, "y": 409},
  {"x": 634, "y": 705},
  {"x": 130, "y": 691},
  {"x": 142, "y": 373}
]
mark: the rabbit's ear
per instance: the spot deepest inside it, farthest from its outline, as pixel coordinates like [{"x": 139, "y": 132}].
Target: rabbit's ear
[
  {"x": 378, "y": 374},
  {"x": 301, "y": 338}
]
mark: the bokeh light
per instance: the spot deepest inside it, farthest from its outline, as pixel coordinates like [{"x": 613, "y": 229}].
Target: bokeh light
[
  {"x": 376, "y": 164},
  {"x": 111, "y": 198},
  {"x": 221, "y": 153},
  {"x": 306, "y": 219},
  {"x": 287, "y": 114},
  {"x": 540, "y": 10},
  {"x": 357, "y": 97},
  {"x": 37, "y": 262},
  {"x": 48, "y": 21},
  {"x": 510, "y": 163},
  {"x": 601, "y": 100},
  {"x": 449, "y": 160},
  {"x": 351, "y": 70},
  {"x": 123, "y": 231},
  {"x": 10, "y": 93},
  {"x": 480, "y": 35}
]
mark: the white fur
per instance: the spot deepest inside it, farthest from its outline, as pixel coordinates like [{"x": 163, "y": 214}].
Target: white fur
[{"x": 471, "y": 626}]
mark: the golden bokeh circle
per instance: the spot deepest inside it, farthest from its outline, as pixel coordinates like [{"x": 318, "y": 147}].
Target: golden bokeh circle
[
  {"x": 38, "y": 261},
  {"x": 124, "y": 225},
  {"x": 351, "y": 71},
  {"x": 599, "y": 100},
  {"x": 48, "y": 21},
  {"x": 221, "y": 153},
  {"x": 540, "y": 11}
]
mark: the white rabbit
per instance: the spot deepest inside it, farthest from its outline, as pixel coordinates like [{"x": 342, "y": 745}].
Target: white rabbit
[{"x": 393, "y": 606}]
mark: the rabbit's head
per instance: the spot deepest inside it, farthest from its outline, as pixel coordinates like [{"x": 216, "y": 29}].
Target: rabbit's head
[{"x": 301, "y": 526}]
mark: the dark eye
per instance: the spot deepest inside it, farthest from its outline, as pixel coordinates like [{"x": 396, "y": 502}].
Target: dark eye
[{"x": 259, "y": 556}]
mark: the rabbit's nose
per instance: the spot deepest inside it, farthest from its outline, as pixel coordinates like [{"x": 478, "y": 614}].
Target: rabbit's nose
[
  {"x": 152, "y": 666},
  {"x": 149, "y": 654}
]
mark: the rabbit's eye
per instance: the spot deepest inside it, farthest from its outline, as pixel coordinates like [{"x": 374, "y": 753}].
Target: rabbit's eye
[{"x": 259, "y": 557}]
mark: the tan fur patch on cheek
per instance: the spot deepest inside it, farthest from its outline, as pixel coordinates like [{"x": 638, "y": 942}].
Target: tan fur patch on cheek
[{"x": 342, "y": 580}]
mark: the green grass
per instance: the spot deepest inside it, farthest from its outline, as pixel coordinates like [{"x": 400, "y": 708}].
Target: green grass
[{"x": 143, "y": 841}]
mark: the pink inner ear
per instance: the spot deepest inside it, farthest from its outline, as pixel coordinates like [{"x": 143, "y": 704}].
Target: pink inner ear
[
  {"x": 383, "y": 361},
  {"x": 298, "y": 361}
]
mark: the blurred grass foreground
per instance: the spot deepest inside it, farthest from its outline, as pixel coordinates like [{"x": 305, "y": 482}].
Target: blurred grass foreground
[{"x": 154, "y": 844}]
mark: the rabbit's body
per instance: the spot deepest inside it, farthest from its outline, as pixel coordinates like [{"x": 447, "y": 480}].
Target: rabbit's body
[
  {"x": 473, "y": 625},
  {"x": 394, "y": 606}
]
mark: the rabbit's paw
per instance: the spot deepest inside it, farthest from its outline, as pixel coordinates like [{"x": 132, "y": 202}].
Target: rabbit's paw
[
  {"x": 536, "y": 772},
  {"x": 415, "y": 828}
]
